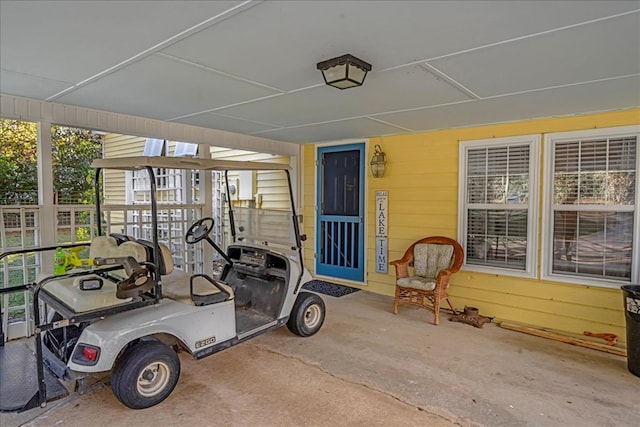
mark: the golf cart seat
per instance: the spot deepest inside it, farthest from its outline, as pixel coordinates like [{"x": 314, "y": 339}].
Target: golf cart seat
[
  {"x": 121, "y": 238},
  {"x": 202, "y": 289},
  {"x": 68, "y": 290},
  {"x": 108, "y": 247},
  {"x": 164, "y": 264}
]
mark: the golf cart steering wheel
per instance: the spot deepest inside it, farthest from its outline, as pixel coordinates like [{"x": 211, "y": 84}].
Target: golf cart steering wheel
[{"x": 199, "y": 230}]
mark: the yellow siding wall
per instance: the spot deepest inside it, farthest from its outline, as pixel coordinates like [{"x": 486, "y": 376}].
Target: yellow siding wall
[
  {"x": 422, "y": 180},
  {"x": 116, "y": 145}
]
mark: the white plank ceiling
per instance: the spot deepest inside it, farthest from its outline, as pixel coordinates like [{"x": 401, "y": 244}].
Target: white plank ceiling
[{"x": 250, "y": 67}]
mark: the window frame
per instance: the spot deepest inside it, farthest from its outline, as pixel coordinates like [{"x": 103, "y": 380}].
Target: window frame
[
  {"x": 534, "y": 142},
  {"x": 546, "y": 267}
]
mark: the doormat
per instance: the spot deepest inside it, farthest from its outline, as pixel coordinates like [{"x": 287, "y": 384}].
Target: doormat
[{"x": 327, "y": 288}]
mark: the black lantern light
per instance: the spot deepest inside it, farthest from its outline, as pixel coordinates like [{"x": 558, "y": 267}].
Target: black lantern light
[
  {"x": 378, "y": 161},
  {"x": 344, "y": 72}
]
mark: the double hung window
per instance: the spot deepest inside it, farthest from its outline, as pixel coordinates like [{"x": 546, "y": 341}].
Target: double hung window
[
  {"x": 591, "y": 206},
  {"x": 590, "y": 213},
  {"x": 497, "y": 204}
]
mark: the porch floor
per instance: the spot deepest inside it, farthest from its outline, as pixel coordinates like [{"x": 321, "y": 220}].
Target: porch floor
[{"x": 368, "y": 367}]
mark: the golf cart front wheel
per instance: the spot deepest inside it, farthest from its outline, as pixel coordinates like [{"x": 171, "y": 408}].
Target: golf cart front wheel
[
  {"x": 307, "y": 315},
  {"x": 145, "y": 375}
]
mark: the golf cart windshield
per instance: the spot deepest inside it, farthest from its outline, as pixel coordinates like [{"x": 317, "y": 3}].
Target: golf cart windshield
[{"x": 264, "y": 227}]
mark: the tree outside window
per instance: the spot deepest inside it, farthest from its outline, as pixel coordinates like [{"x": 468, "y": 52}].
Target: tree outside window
[{"x": 73, "y": 151}]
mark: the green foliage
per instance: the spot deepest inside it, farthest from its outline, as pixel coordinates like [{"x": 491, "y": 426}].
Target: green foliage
[
  {"x": 83, "y": 234},
  {"x": 72, "y": 152},
  {"x": 18, "y": 162}
]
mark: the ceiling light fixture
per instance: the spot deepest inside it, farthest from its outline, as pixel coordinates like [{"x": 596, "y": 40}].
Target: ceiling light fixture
[{"x": 344, "y": 71}]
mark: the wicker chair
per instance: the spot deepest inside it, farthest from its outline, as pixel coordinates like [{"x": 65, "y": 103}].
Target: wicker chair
[{"x": 434, "y": 259}]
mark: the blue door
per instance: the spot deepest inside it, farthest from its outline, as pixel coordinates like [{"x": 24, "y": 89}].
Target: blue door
[{"x": 340, "y": 219}]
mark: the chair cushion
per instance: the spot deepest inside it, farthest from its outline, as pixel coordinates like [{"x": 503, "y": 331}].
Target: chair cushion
[
  {"x": 429, "y": 259},
  {"x": 417, "y": 282}
]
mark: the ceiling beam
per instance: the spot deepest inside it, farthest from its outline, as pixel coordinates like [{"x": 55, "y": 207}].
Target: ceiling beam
[{"x": 18, "y": 108}]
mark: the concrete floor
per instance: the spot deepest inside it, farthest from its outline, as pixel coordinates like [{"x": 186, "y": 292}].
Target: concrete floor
[{"x": 367, "y": 367}]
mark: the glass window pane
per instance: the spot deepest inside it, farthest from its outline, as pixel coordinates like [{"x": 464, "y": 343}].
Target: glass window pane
[
  {"x": 592, "y": 187},
  {"x": 153, "y": 147},
  {"x": 518, "y": 191},
  {"x": 598, "y": 172},
  {"x": 496, "y": 189},
  {"x": 588, "y": 174},
  {"x": 565, "y": 188},
  {"x": 566, "y": 157},
  {"x": 593, "y": 155},
  {"x": 498, "y": 175},
  {"x": 497, "y": 238},
  {"x": 593, "y": 243},
  {"x": 620, "y": 188},
  {"x": 622, "y": 154},
  {"x": 476, "y": 189},
  {"x": 518, "y": 160},
  {"x": 477, "y": 162},
  {"x": 340, "y": 183},
  {"x": 497, "y": 160}
]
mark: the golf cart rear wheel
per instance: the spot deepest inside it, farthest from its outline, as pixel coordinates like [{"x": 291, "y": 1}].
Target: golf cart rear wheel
[
  {"x": 307, "y": 315},
  {"x": 145, "y": 375}
]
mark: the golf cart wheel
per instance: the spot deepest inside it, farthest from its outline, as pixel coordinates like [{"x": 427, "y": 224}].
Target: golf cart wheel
[
  {"x": 145, "y": 375},
  {"x": 307, "y": 315}
]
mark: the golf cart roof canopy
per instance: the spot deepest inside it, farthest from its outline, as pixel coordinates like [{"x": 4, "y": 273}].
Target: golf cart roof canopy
[{"x": 141, "y": 162}]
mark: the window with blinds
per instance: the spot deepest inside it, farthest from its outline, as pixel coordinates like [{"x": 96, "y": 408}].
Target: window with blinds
[
  {"x": 498, "y": 192},
  {"x": 593, "y": 205}
]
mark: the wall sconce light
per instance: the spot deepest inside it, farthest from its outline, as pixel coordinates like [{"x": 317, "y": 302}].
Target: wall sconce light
[
  {"x": 344, "y": 71},
  {"x": 378, "y": 161}
]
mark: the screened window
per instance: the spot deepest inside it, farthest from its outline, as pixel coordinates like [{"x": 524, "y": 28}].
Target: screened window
[
  {"x": 498, "y": 195},
  {"x": 592, "y": 205}
]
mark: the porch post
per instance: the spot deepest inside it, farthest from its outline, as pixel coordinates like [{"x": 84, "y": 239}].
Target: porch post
[
  {"x": 206, "y": 186},
  {"x": 46, "y": 223}
]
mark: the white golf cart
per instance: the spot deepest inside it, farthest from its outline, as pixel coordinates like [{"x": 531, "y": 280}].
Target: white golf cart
[{"x": 130, "y": 311}]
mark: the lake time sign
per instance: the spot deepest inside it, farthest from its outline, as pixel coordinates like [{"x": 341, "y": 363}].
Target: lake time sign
[{"x": 382, "y": 221}]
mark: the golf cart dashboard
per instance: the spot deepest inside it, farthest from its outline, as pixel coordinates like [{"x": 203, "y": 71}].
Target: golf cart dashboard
[
  {"x": 253, "y": 257},
  {"x": 257, "y": 262}
]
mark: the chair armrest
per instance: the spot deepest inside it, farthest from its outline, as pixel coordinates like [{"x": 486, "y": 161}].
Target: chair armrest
[
  {"x": 444, "y": 273},
  {"x": 402, "y": 268},
  {"x": 442, "y": 279}
]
